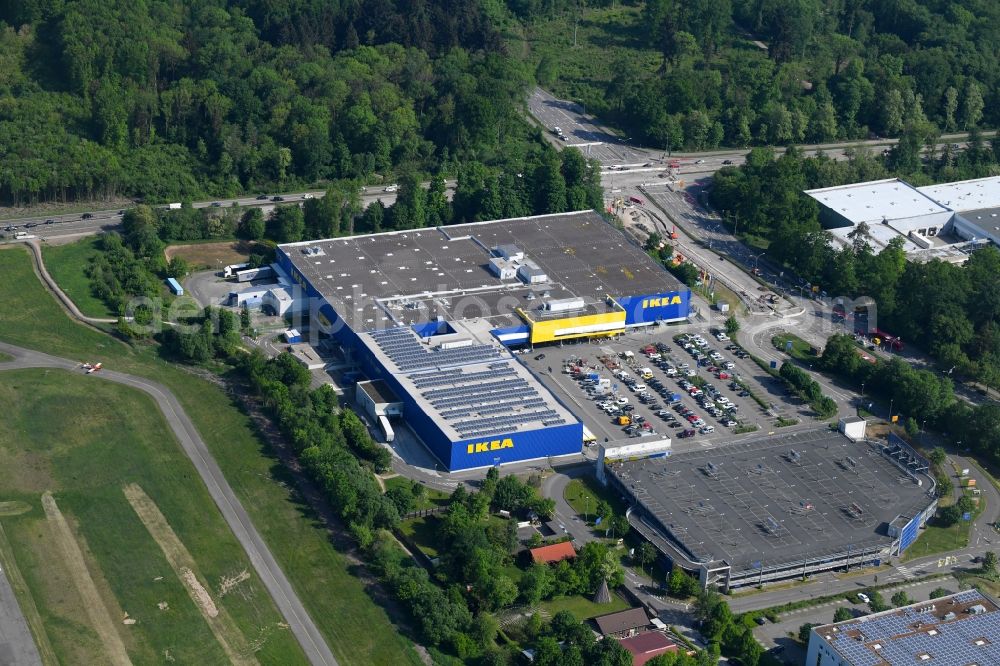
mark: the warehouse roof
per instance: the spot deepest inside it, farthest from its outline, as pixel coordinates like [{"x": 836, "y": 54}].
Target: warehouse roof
[
  {"x": 957, "y": 630},
  {"x": 872, "y": 201},
  {"x": 966, "y": 195},
  {"x": 377, "y": 280},
  {"x": 771, "y": 500}
]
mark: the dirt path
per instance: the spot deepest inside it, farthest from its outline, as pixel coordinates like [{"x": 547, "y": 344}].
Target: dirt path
[
  {"x": 97, "y": 611},
  {"x": 183, "y": 564}
]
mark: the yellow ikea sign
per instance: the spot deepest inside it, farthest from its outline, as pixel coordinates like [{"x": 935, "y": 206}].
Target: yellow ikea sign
[
  {"x": 495, "y": 445},
  {"x": 660, "y": 301}
]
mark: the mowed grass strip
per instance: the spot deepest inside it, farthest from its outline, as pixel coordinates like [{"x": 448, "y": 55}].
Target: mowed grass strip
[
  {"x": 67, "y": 264},
  {"x": 356, "y": 628},
  {"x": 83, "y": 439}
]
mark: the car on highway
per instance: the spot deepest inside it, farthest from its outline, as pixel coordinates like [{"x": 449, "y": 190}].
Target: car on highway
[
  {"x": 277, "y": 198},
  {"x": 308, "y": 196},
  {"x": 557, "y": 129},
  {"x": 699, "y": 161},
  {"x": 262, "y": 197},
  {"x": 87, "y": 216},
  {"x": 31, "y": 225},
  {"x": 216, "y": 204},
  {"x": 390, "y": 188},
  {"x": 50, "y": 221}
]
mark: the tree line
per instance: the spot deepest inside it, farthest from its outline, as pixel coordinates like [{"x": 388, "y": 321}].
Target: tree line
[{"x": 921, "y": 397}]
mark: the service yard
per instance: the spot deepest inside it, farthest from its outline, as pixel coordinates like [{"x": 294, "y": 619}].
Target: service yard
[
  {"x": 120, "y": 553},
  {"x": 688, "y": 387}
]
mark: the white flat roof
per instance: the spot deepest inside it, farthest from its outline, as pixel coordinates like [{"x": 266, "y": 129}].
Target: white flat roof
[
  {"x": 966, "y": 194},
  {"x": 877, "y": 199}
]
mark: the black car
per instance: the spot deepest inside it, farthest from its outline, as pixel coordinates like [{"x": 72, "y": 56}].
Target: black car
[
  {"x": 277, "y": 198},
  {"x": 540, "y": 357},
  {"x": 31, "y": 225},
  {"x": 87, "y": 216},
  {"x": 262, "y": 197},
  {"x": 216, "y": 204},
  {"x": 727, "y": 162},
  {"x": 50, "y": 221}
]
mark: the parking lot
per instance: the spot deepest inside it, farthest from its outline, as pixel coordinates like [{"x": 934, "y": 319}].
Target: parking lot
[{"x": 647, "y": 385}]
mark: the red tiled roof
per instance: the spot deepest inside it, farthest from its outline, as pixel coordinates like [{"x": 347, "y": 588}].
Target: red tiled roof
[
  {"x": 646, "y": 646},
  {"x": 554, "y": 553}
]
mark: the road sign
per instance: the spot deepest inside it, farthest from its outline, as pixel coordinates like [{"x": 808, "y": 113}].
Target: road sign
[
  {"x": 597, "y": 521},
  {"x": 756, "y": 564},
  {"x": 966, "y": 516},
  {"x": 774, "y": 364},
  {"x": 788, "y": 346}
]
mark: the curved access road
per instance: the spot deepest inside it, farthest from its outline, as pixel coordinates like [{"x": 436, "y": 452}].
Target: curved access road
[
  {"x": 288, "y": 603},
  {"x": 50, "y": 283}
]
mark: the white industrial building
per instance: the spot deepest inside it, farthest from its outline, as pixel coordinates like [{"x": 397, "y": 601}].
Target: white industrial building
[{"x": 945, "y": 221}]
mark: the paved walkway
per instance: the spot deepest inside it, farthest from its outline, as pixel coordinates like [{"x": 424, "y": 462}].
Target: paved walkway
[{"x": 288, "y": 603}]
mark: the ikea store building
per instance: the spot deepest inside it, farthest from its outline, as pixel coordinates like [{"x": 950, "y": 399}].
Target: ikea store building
[{"x": 433, "y": 312}]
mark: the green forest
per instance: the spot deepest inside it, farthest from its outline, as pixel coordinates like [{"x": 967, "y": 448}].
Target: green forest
[
  {"x": 163, "y": 99},
  {"x": 698, "y": 75}
]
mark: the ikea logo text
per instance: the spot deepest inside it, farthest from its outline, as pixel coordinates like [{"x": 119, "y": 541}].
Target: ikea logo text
[
  {"x": 495, "y": 445},
  {"x": 660, "y": 301}
]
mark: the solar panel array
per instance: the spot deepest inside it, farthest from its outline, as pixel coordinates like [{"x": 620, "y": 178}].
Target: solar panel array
[
  {"x": 404, "y": 349},
  {"x": 476, "y": 403},
  {"x": 903, "y": 636}
]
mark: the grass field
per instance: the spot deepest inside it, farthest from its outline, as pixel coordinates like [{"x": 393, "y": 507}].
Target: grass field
[
  {"x": 422, "y": 532},
  {"x": 83, "y": 439},
  {"x": 357, "y": 629},
  {"x": 429, "y": 500},
  {"x": 66, "y": 264},
  {"x": 578, "y": 490},
  {"x": 800, "y": 348},
  {"x": 583, "y": 608}
]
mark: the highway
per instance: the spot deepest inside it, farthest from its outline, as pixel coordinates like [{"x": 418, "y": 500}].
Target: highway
[
  {"x": 271, "y": 575},
  {"x": 73, "y": 225}
]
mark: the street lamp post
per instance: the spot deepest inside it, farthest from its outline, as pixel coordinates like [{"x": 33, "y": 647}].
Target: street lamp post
[{"x": 586, "y": 508}]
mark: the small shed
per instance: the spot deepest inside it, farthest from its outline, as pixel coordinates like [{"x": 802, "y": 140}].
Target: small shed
[{"x": 853, "y": 427}]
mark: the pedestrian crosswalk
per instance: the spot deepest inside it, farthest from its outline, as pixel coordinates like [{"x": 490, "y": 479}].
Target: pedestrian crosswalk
[{"x": 906, "y": 573}]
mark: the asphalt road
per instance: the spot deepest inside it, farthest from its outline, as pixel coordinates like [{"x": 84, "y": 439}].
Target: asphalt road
[
  {"x": 17, "y": 648},
  {"x": 288, "y": 603}
]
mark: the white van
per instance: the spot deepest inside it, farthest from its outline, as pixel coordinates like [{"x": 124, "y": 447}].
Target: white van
[{"x": 638, "y": 388}]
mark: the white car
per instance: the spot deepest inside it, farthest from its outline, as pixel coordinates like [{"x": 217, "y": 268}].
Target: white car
[
  {"x": 864, "y": 598},
  {"x": 622, "y": 400},
  {"x": 690, "y": 372},
  {"x": 391, "y": 188},
  {"x": 558, "y": 130}
]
